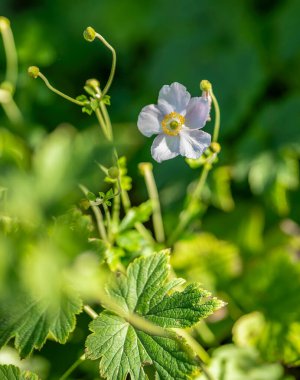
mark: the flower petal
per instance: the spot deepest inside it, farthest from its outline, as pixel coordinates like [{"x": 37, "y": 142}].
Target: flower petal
[
  {"x": 197, "y": 112},
  {"x": 173, "y": 98},
  {"x": 193, "y": 142},
  {"x": 149, "y": 120},
  {"x": 165, "y": 147}
]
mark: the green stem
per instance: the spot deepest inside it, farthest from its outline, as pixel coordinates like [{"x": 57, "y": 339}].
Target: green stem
[
  {"x": 108, "y": 221},
  {"x": 138, "y": 226},
  {"x": 102, "y": 123},
  {"x": 113, "y": 66},
  {"x": 217, "y": 117},
  {"x": 10, "y": 52},
  {"x": 98, "y": 216},
  {"x": 90, "y": 311},
  {"x": 72, "y": 368},
  {"x": 187, "y": 214},
  {"x": 12, "y": 111},
  {"x": 116, "y": 209},
  {"x": 153, "y": 195},
  {"x": 59, "y": 92}
]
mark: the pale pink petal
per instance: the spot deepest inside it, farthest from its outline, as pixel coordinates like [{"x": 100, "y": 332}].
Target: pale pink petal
[
  {"x": 165, "y": 147},
  {"x": 197, "y": 112},
  {"x": 149, "y": 120},
  {"x": 173, "y": 98},
  {"x": 193, "y": 142}
]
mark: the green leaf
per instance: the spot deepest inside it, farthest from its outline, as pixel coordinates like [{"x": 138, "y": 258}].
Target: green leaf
[
  {"x": 141, "y": 214},
  {"x": 272, "y": 323},
  {"x": 31, "y": 321},
  {"x": 91, "y": 196},
  {"x": 145, "y": 290},
  {"x": 234, "y": 363},
  {"x": 10, "y": 372}
]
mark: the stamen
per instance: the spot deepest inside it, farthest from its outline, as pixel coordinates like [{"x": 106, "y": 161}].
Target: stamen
[{"x": 172, "y": 123}]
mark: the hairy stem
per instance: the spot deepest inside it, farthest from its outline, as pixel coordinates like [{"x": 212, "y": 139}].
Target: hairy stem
[
  {"x": 98, "y": 216},
  {"x": 147, "y": 172},
  {"x": 45, "y": 80},
  {"x": 217, "y": 117},
  {"x": 113, "y": 65},
  {"x": 72, "y": 368},
  {"x": 10, "y": 52}
]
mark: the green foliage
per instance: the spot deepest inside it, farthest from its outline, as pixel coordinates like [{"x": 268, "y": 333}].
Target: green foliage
[
  {"x": 274, "y": 328},
  {"x": 124, "y": 347},
  {"x": 10, "y": 372},
  {"x": 141, "y": 213},
  {"x": 232, "y": 363},
  {"x": 31, "y": 321}
]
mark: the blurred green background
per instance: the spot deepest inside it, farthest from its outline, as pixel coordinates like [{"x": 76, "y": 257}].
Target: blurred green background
[{"x": 249, "y": 50}]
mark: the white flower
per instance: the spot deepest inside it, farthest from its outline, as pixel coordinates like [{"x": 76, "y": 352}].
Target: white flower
[{"x": 176, "y": 121}]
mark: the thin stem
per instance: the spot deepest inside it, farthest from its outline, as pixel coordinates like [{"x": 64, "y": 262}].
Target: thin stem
[
  {"x": 116, "y": 209},
  {"x": 72, "y": 368},
  {"x": 90, "y": 311},
  {"x": 187, "y": 214},
  {"x": 217, "y": 117},
  {"x": 10, "y": 51},
  {"x": 108, "y": 220},
  {"x": 153, "y": 195},
  {"x": 59, "y": 92},
  {"x": 113, "y": 65},
  {"x": 98, "y": 216},
  {"x": 12, "y": 111},
  {"x": 107, "y": 119},
  {"x": 138, "y": 226},
  {"x": 102, "y": 123}
]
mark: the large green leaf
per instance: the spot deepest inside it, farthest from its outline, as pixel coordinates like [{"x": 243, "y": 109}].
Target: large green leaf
[
  {"x": 124, "y": 347},
  {"x": 30, "y": 321},
  {"x": 10, "y": 372}
]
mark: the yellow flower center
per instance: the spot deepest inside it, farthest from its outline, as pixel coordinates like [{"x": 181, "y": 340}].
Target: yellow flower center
[{"x": 172, "y": 123}]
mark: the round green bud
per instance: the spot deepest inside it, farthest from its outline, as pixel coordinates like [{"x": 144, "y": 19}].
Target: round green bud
[
  {"x": 33, "y": 71},
  {"x": 205, "y": 85},
  {"x": 113, "y": 172},
  {"x": 215, "y": 147},
  {"x": 4, "y": 23},
  {"x": 94, "y": 83},
  {"x": 89, "y": 34}
]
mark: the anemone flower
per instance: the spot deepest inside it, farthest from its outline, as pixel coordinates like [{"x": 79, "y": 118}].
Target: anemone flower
[{"x": 176, "y": 120}]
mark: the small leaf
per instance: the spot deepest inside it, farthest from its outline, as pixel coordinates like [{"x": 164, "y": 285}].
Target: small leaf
[
  {"x": 82, "y": 98},
  {"x": 10, "y": 372},
  {"x": 145, "y": 290},
  {"x": 94, "y": 104},
  {"x": 141, "y": 214},
  {"x": 87, "y": 109},
  {"x": 91, "y": 196},
  {"x": 106, "y": 100}
]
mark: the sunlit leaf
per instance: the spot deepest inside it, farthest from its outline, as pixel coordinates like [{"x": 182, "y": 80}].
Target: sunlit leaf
[{"x": 145, "y": 290}]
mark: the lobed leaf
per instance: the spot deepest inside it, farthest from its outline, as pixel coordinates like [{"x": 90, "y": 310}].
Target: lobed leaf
[{"x": 127, "y": 348}]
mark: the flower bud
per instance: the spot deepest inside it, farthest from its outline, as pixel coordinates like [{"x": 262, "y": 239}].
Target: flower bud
[
  {"x": 94, "y": 83},
  {"x": 113, "y": 172},
  {"x": 144, "y": 166},
  {"x": 4, "y": 23},
  {"x": 33, "y": 71},
  {"x": 205, "y": 85},
  {"x": 215, "y": 147},
  {"x": 89, "y": 34}
]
